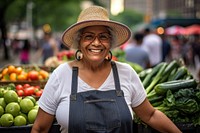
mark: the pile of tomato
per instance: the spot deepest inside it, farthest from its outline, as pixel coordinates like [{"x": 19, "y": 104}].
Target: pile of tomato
[
  {"x": 18, "y": 73},
  {"x": 28, "y": 90}
]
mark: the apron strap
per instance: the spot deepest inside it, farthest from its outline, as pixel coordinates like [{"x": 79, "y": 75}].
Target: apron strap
[
  {"x": 119, "y": 92},
  {"x": 74, "y": 83}
]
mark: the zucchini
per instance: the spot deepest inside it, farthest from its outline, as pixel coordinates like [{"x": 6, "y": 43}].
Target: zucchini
[
  {"x": 144, "y": 73},
  {"x": 150, "y": 76},
  {"x": 170, "y": 67},
  {"x": 173, "y": 65},
  {"x": 162, "y": 88},
  {"x": 157, "y": 78},
  {"x": 180, "y": 73}
]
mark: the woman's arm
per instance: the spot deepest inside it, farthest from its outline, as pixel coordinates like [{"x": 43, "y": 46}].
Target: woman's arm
[
  {"x": 43, "y": 122},
  {"x": 155, "y": 118}
]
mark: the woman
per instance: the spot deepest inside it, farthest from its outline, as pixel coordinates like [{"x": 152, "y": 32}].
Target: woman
[{"x": 92, "y": 93}]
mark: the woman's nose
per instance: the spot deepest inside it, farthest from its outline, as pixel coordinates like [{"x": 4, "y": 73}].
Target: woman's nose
[{"x": 96, "y": 41}]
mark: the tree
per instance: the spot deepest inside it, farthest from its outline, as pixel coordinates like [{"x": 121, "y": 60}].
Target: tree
[
  {"x": 3, "y": 7},
  {"x": 58, "y": 13}
]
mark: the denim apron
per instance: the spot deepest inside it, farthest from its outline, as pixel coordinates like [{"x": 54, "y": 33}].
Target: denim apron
[{"x": 99, "y": 111}]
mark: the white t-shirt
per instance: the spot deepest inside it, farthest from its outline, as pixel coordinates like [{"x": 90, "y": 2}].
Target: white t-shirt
[
  {"x": 56, "y": 96},
  {"x": 152, "y": 43}
]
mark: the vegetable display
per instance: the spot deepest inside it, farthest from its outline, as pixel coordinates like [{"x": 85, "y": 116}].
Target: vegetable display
[{"x": 171, "y": 88}]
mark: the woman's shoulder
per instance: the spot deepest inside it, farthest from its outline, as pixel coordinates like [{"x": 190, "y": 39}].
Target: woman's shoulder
[
  {"x": 123, "y": 65},
  {"x": 64, "y": 67}
]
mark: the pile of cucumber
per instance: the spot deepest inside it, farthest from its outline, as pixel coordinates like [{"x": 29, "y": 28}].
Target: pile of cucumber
[{"x": 171, "y": 88}]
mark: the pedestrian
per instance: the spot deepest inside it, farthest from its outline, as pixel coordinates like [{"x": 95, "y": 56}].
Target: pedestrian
[
  {"x": 94, "y": 94},
  {"x": 152, "y": 43},
  {"x": 135, "y": 52},
  {"x": 25, "y": 52},
  {"x": 48, "y": 47},
  {"x": 166, "y": 48}
]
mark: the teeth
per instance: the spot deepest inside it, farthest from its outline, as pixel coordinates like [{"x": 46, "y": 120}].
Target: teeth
[{"x": 96, "y": 50}]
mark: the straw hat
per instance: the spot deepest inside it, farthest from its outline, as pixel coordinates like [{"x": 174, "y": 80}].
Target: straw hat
[{"x": 96, "y": 15}]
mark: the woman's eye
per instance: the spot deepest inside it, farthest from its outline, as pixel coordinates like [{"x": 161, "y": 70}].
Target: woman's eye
[
  {"x": 103, "y": 37},
  {"x": 88, "y": 37}
]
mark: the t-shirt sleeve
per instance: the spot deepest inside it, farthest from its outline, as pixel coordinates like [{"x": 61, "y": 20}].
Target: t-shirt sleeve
[
  {"x": 47, "y": 101},
  {"x": 137, "y": 89}
]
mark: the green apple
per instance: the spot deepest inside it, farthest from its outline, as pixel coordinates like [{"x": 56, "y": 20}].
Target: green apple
[
  {"x": 32, "y": 115},
  {"x": 10, "y": 96},
  {"x": 1, "y": 110},
  {"x": 12, "y": 108},
  {"x": 6, "y": 120},
  {"x": 19, "y": 121},
  {"x": 26, "y": 105}
]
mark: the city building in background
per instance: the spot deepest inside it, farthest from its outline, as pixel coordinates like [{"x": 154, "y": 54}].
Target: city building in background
[{"x": 164, "y": 12}]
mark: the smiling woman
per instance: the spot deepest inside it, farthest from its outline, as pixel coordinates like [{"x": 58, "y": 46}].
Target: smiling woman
[{"x": 101, "y": 94}]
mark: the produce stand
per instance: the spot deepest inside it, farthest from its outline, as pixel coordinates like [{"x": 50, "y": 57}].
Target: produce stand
[{"x": 27, "y": 129}]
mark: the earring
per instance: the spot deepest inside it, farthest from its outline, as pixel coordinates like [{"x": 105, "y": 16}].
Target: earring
[
  {"x": 78, "y": 55},
  {"x": 109, "y": 57}
]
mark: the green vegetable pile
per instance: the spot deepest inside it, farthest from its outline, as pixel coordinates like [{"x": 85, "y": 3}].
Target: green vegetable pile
[{"x": 172, "y": 89}]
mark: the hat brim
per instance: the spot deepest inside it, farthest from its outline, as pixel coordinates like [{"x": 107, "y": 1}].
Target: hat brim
[{"x": 122, "y": 32}]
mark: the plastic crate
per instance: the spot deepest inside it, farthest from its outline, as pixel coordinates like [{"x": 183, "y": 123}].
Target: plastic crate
[
  {"x": 184, "y": 127},
  {"x": 55, "y": 128}
]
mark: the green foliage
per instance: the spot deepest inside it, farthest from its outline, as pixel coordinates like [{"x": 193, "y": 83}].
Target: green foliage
[{"x": 58, "y": 13}]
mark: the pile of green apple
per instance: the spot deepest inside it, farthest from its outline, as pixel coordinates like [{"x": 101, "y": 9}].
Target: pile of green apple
[{"x": 17, "y": 111}]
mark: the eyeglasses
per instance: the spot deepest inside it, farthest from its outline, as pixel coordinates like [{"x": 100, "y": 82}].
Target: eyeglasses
[{"x": 90, "y": 37}]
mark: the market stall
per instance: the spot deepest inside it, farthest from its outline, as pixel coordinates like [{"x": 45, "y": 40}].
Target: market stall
[{"x": 170, "y": 87}]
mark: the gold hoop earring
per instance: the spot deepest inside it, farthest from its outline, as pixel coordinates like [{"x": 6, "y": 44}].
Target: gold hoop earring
[
  {"x": 109, "y": 57},
  {"x": 78, "y": 55}
]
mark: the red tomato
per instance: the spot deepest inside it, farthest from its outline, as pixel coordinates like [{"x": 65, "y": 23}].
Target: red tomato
[
  {"x": 36, "y": 89},
  {"x": 39, "y": 93},
  {"x": 19, "y": 87},
  {"x": 26, "y": 85},
  {"x": 37, "y": 86},
  {"x": 33, "y": 75},
  {"x": 20, "y": 93},
  {"x": 29, "y": 91}
]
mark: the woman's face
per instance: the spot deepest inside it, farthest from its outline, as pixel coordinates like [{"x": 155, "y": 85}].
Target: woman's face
[{"x": 95, "y": 43}]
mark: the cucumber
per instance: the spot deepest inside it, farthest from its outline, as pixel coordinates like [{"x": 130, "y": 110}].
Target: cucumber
[{"x": 162, "y": 88}]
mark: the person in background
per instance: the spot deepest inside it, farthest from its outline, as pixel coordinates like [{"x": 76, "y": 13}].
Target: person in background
[
  {"x": 176, "y": 48},
  {"x": 25, "y": 52},
  {"x": 166, "y": 48},
  {"x": 152, "y": 43},
  {"x": 136, "y": 54},
  {"x": 49, "y": 47},
  {"x": 92, "y": 93}
]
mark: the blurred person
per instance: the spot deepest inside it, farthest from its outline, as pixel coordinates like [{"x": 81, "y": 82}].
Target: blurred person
[
  {"x": 25, "y": 52},
  {"x": 187, "y": 52},
  {"x": 196, "y": 50},
  {"x": 136, "y": 54},
  {"x": 94, "y": 94},
  {"x": 152, "y": 43},
  {"x": 48, "y": 47},
  {"x": 166, "y": 48},
  {"x": 176, "y": 48}
]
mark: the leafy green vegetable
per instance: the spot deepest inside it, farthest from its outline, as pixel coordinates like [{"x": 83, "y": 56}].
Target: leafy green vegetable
[{"x": 187, "y": 105}]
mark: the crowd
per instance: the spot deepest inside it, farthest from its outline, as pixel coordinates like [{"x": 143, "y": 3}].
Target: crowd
[
  {"x": 146, "y": 48},
  {"x": 161, "y": 48}
]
